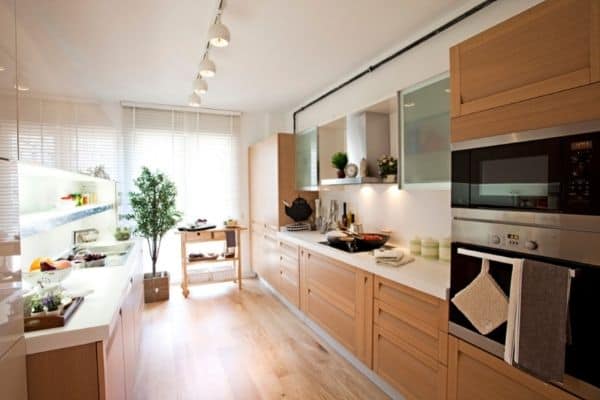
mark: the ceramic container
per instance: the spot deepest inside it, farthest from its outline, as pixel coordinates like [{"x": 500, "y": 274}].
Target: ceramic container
[
  {"x": 415, "y": 246},
  {"x": 430, "y": 248},
  {"x": 445, "y": 250}
]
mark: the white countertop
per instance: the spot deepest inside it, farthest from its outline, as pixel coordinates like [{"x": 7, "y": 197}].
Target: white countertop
[
  {"x": 425, "y": 275},
  {"x": 93, "y": 319}
]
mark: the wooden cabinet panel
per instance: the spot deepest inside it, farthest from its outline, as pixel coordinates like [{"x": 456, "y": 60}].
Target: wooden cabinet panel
[
  {"x": 270, "y": 258},
  {"x": 543, "y": 50},
  {"x": 13, "y": 372},
  {"x": 340, "y": 299},
  {"x": 552, "y": 48},
  {"x": 65, "y": 374},
  {"x": 257, "y": 232},
  {"x": 414, "y": 374},
  {"x": 421, "y": 309},
  {"x": 114, "y": 363},
  {"x": 289, "y": 272},
  {"x": 474, "y": 374},
  {"x": 429, "y": 340}
]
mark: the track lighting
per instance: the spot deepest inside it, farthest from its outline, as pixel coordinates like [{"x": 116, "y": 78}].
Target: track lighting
[
  {"x": 199, "y": 86},
  {"x": 218, "y": 34},
  {"x": 194, "y": 100},
  {"x": 207, "y": 68}
]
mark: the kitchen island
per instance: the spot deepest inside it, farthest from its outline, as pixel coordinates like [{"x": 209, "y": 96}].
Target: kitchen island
[{"x": 94, "y": 355}]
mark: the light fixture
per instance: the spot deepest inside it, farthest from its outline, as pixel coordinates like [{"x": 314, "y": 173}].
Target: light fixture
[
  {"x": 199, "y": 86},
  {"x": 218, "y": 34},
  {"x": 408, "y": 105},
  {"x": 207, "y": 68},
  {"x": 447, "y": 90},
  {"x": 2, "y": 68},
  {"x": 194, "y": 100}
]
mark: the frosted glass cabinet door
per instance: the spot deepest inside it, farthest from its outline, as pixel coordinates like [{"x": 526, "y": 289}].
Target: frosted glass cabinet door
[
  {"x": 425, "y": 134},
  {"x": 8, "y": 92},
  {"x": 307, "y": 175}
]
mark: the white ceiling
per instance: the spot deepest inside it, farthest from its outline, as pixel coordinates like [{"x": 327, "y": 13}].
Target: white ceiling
[{"x": 281, "y": 52}]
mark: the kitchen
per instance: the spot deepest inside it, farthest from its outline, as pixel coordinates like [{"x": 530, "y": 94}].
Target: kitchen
[{"x": 428, "y": 230}]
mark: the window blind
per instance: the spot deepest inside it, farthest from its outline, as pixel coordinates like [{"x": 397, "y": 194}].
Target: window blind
[{"x": 69, "y": 135}]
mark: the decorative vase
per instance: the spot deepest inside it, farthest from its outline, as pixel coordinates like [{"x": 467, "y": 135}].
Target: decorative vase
[
  {"x": 341, "y": 174},
  {"x": 389, "y": 178}
]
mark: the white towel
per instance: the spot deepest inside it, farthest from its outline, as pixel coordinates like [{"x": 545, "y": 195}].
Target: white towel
[
  {"x": 393, "y": 254},
  {"x": 396, "y": 263}
]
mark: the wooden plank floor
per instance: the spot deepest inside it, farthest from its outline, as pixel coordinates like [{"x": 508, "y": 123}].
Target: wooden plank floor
[{"x": 225, "y": 344}]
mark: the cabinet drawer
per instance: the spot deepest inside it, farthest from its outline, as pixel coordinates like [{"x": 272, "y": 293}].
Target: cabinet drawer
[
  {"x": 288, "y": 286},
  {"x": 333, "y": 319},
  {"x": 332, "y": 278},
  {"x": 428, "y": 310},
  {"x": 290, "y": 267},
  {"x": 290, "y": 250},
  {"x": 414, "y": 374},
  {"x": 203, "y": 236},
  {"x": 423, "y": 337}
]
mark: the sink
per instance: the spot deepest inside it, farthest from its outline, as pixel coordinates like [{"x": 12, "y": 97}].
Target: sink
[{"x": 116, "y": 252}]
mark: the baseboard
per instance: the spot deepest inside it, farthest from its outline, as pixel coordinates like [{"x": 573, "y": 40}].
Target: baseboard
[{"x": 336, "y": 346}]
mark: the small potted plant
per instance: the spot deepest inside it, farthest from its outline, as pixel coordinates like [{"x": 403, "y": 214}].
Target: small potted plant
[
  {"x": 155, "y": 214},
  {"x": 388, "y": 168},
  {"x": 339, "y": 161}
]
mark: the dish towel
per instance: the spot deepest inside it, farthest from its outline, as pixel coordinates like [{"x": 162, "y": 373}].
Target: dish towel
[
  {"x": 483, "y": 302},
  {"x": 541, "y": 320},
  {"x": 392, "y": 258}
]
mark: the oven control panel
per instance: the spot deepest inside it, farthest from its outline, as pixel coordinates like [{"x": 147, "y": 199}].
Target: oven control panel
[
  {"x": 513, "y": 240},
  {"x": 579, "y": 180}
]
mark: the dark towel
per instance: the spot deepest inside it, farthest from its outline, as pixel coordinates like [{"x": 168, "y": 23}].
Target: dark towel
[
  {"x": 543, "y": 327},
  {"x": 230, "y": 239}
]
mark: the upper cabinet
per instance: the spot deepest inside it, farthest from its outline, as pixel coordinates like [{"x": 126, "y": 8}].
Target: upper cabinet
[
  {"x": 540, "y": 68},
  {"x": 8, "y": 75},
  {"x": 307, "y": 159},
  {"x": 425, "y": 134}
]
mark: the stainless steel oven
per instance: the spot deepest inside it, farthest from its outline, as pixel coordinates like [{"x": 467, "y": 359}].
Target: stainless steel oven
[{"x": 535, "y": 196}]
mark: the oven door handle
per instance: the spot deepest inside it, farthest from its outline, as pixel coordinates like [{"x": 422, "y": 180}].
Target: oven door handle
[{"x": 487, "y": 256}]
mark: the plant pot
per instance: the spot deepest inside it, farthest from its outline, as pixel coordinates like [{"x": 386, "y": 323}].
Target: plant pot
[
  {"x": 156, "y": 287},
  {"x": 389, "y": 178},
  {"x": 340, "y": 173}
]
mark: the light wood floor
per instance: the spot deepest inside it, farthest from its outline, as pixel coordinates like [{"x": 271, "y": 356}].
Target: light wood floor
[{"x": 225, "y": 344}]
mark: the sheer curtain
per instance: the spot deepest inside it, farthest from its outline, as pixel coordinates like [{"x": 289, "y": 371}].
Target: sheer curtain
[{"x": 198, "y": 151}]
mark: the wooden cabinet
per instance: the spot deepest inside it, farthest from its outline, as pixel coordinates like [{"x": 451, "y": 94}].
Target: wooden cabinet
[
  {"x": 13, "y": 372},
  {"x": 474, "y": 374},
  {"x": 289, "y": 272},
  {"x": 410, "y": 340},
  {"x": 540, "y": 68},
  {"x": 271, "y": 182},
  {"x": 339, "y": 298},
  {"x": 270, "y": 258},
  {"x": 100, "y": 370},
  {"x": 114, "y": 363}
]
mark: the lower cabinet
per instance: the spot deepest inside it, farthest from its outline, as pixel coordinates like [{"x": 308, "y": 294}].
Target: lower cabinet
[
  {"x": 100, "y": 370},
  {"x": 339, "y": 298},
  {"x": 474, "y": 374},
  {"x": 288, "y": 283},
  {"x": 410, "y": 340}
]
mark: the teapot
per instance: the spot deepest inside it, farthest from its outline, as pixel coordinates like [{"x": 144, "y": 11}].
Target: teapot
[{"x": 299, "y": 210}]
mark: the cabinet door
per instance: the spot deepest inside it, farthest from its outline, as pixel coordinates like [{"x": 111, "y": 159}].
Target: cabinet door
[
  {"x": 414, "y": 374},
  {"x": 8, "y": 93},
  {"x": 270, "y": 259},
  {"x": 425, "y": 134},
  {"x": 13, "y": 375},
  {"x": 129, "y": 340},
  {"x": 289, "y": 272},
  {"x": 339, "y": 298},
  {"x": 549, "y": 48},
  {"x": 257, "y": 232},
  {"x": 307, "y": 156},
  {"x": 114, "y": 367},
  {"x": 474, "y": 374}
]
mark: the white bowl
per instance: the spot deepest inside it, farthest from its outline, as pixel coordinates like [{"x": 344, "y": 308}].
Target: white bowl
[{"x": 47, "y": 277}]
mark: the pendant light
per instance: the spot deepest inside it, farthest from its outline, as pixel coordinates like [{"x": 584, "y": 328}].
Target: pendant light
[
  {"x": 200, "y": 86},
  {"x": 194, "y": 100},
  {"x": 218, "y": 34},
  {"x": 207, "y": 68}
]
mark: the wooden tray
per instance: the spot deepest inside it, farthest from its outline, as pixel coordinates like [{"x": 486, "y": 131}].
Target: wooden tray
[{"x": 52, "y": 321}]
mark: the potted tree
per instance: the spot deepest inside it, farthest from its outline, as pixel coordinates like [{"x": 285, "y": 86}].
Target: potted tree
[{"x": 154, "y": 212}]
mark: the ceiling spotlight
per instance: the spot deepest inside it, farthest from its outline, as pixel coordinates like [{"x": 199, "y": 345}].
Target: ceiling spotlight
[
  {"x": 218, "y": 34},
  {"x": 207, "y": 68},
  {"x": 194, "y": 100},
  {"x": 199, "y": 86},
  {"x": 408, "y": 105}
]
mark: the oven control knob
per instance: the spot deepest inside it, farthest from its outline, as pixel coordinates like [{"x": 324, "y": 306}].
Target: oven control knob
[
  {"x": 531, "y": 245},
  {"x": 495, "y": 239}
]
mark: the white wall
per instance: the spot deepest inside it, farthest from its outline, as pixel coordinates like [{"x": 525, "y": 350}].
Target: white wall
[{"x": 406, "y": 213}]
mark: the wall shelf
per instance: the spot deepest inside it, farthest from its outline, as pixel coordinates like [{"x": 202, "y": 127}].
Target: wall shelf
[{"x": 39, "y": 222}]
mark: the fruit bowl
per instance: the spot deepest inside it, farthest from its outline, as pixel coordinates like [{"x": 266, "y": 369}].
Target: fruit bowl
[{"x": 46, "y": 277}]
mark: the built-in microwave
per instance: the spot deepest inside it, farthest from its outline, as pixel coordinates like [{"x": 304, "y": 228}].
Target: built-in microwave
[{"x": 549, "y": 170}]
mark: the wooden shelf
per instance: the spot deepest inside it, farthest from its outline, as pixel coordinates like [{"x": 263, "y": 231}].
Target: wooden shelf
[
  {"x": 39, "y": 222},
  {"x": 218, "y": 260}
]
